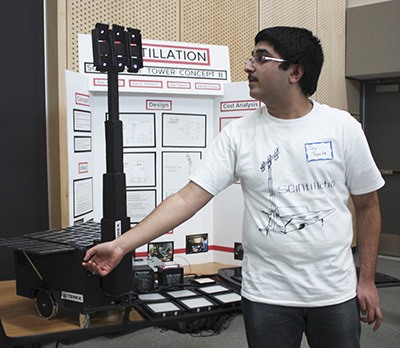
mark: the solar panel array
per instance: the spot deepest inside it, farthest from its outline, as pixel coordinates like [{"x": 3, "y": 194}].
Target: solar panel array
[{"x": 77, "y": 237}]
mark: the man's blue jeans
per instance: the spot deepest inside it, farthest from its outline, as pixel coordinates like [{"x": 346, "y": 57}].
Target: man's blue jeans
[{"x": 271, "y": 326}]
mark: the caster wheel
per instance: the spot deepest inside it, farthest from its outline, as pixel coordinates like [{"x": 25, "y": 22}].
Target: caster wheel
[
  {"x": 46, "y": 304},
  {"x": 84, "y": 320}
]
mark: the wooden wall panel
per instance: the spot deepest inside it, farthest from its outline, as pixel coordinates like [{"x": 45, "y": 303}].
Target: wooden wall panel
[
  {"x": 197, "y": 21},
  {"x": 157, "y": 19},
  {"x": 326, "y": 19},
  {"x": 302, "y": 13},
  {"x": 223, "y": 22},
  {"x": 219, "y": 22},
  {"x": 331, "y": 21}
]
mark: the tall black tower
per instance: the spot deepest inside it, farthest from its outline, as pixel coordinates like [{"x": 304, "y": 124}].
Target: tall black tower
[{"x": 113, "y": 50}]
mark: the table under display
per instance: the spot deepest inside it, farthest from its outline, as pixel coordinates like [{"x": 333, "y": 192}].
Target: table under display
[{"x": 175, "y": 306}]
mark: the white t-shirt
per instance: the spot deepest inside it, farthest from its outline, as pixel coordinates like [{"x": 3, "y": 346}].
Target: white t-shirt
[{"x": 296, "y": 176}]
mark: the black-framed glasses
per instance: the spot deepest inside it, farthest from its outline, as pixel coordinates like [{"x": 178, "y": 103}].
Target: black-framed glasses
[{"x": 260, "y": 59}]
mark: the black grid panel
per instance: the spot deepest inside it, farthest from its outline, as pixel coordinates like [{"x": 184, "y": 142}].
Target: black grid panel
[{"x": 77, "y": 237}]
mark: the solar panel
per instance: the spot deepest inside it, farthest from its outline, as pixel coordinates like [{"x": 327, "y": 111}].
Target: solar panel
[{"x": 77, "y": 237}]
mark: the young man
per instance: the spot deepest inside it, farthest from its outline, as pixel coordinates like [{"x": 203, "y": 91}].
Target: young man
[{"x": 298, "y": 162}]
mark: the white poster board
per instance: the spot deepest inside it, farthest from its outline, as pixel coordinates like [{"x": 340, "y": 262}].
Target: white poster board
[
  {"x": 166, "y": 130},
  {"x": 169, "y": 67},
  {"x": 228, "y": 205},
  {"x": 81, "y": 169}
]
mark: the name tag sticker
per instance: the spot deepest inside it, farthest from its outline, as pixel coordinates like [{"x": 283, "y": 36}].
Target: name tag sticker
[{"x": 321, "y": 151}]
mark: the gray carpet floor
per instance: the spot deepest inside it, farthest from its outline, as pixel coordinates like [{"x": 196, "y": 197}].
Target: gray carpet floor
[{"x": 388, "y": 336}]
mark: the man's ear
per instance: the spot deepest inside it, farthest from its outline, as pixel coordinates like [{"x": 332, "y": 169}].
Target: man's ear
[{"x": 296, "y": 72}]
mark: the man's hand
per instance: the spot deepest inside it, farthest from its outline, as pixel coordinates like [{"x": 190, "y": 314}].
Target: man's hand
[
  {"x": 103, "y": 258},
  {"x": 370, "y": 308}
]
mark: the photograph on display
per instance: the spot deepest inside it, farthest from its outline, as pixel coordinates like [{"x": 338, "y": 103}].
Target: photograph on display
[
  {"x": 83, "y": 196},
  {"x": 82, "y": 120},
  {"x": 238, "y": 251},
  {"x": 176, "y": 168},
  {"x": 140, "y": 169},
  {"x": 139, "y": 129},
  {"x": 184, "y": 130},
  {"x": 162, "y": 250},
  {"x": 197, "y": 243},
  {"x": 139, "y": 204},
  {"x": 82, "y": 144}
]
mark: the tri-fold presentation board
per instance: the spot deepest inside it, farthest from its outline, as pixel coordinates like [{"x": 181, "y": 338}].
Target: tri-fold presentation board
[{"x": 171, "y": 111}]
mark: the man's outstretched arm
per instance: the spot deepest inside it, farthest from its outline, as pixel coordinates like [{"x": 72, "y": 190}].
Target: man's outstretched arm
[{"x": 176, "y": 209}]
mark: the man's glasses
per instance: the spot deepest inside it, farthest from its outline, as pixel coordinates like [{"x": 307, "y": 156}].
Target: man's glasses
[{"x": 260, "y": 59}]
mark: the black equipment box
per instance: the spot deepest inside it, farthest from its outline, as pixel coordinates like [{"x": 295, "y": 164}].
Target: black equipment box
[
  {"x": 143, "y": 278},
  {"x": 48, "y": 267},
  {"x": 170, "y": 276}
]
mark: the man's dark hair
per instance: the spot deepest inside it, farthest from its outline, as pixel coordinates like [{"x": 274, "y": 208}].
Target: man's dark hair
[{"x": 297, "y": 46}]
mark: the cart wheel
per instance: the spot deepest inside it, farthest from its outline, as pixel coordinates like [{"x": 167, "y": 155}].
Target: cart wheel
[
  {"x": 84, "y": 320},
  {"x": 46, "y": 304}
]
